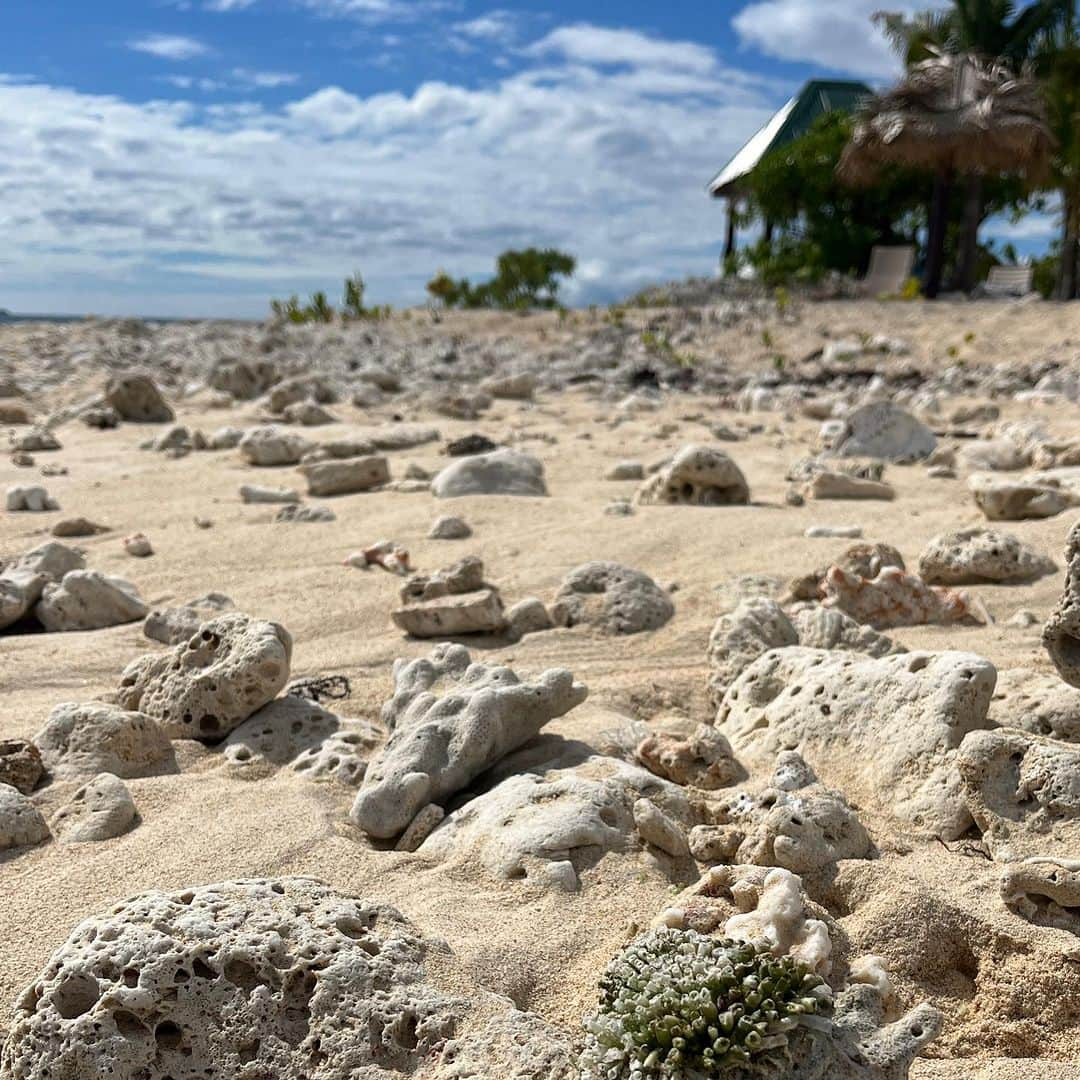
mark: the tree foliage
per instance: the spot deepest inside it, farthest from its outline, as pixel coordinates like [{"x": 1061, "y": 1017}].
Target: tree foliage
[
  {"x": 523, "y": 279},
  {"x": 824, "y": 224}
]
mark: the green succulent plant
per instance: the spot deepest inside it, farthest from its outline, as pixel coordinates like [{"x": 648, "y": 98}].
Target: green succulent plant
[{"x": 679, "y": 1005}]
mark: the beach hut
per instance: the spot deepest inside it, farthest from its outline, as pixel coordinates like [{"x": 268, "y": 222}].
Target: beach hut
[{"x": 816, "y": 98}]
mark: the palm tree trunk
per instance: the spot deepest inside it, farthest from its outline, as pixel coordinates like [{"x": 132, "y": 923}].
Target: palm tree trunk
[
  {"x": 937, "y": 224},
  {"x": 1068, "y": 283},
  {"x": 969, "y": 238}
]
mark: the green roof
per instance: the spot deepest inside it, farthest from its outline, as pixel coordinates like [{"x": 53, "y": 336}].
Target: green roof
[{"x": 817, "y": 97}]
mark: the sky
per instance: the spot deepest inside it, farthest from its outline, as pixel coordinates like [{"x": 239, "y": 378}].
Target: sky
[{"x": 197, "y": 157}]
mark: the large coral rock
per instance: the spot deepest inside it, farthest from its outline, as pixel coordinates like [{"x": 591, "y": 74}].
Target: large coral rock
[
  {"x": 269, "y": 446},
  {"x": 21, "y": 822},
  {"x": 210, "y": 684},
  {"x": 346, "y": 476},
  {"x": 970, "y": 556},
  {"x": 80, "y": 741},
  {"x": 1061, "y": 634},
  {"x": 759, "y": 624},
  {"x": 502, "y": 472},
  {"x": 24, "y": 579},
  {"x": 1015, "y": 500},
  {"x": 1023, "y": 792},
  {"x": 300, "y": 388},
  {"x": 1045, "y": 891},
  {"x": 243, "y": 379},
  {"x": 697, "y": 476},
  {"x": 135, "y": 396},
  {"x": 547, "y": 827},
  {"x": 281, "y": 978},
  {"x": 438, "y": 745},
  {"x": 884, "y": 730},
  {"x": 884, "y": 430},
  {"x": 32, "y": 498},
  {"x": 613, "y": 598},
  {"x": 341, "y": 756},
  {"x": 896, "y": 598},
  {"x": 99, "y": 810},
  {"x": 89, "y": 600}
]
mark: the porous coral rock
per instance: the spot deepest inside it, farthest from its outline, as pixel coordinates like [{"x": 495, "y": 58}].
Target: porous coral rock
[
  {"x": 614, "y": 598},
  {"x": 703, "y": 759},
  {"x": 32, "y": 498},
  {"x": 1061, "y": 634},
  {"x": 697, "y": 476},
  {"x": 547, "y": 826},
  {"x": 452, "y": 601},
  {"x": 206, "y": 686},
  {"x": 838, "y": 485},
  {"x": 88, "y": 600},
  {"x": 277, "y": 976},
  {"x": 278, "y": 733},
  {"x": 1023, "y": 792},
  {"x": 438, "y": 745},
  {"x": 171, "y": 626},
  {"x": 80, "y": 741},
  {"x": 21, "y": 822},
  {"x": 99, "y": 810},
  {"x": 1037, "y": 702},
  {"x": 804, "y": 829},
  {"x": 1045, "y": 891},
  {"x": 883, "y": 730},
  {"x": 342, "y": 755},
  {"x": 973, "y": 555}
]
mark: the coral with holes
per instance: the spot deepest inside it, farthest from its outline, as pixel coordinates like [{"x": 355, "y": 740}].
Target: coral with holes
[
  {"x": 549, "y": 825},
  {"x": 99, "y": 810},
  {"x": 1061, "y": 634},
  {"x": 80, "y": 741},
  {"x": 697, "y": 476},
  {"x": 208, "y": 685},
  {"x": 1023, "y": 792},
  {"x": 1038, "y": 702},
  {"x": 23, "y": 579},
  {"x": 863, "y": 560},
  {"x": 759, "y": 624},
  {"x": 278, "y": 733},
  {"x": 702, "y": 759},
  {"x": 798, "y": 826},
  {"x": 438, "y": 745},
  {"x": 88, "y": 600},
  {"x": 974, "y": 555},
  {"x": 342, "y": 756},
  {"x": 613, "y": 598},
  {"x": 21, "y": 822},
  {"x": 1045, "y": 891},
  {"x": 884, "y": 730},
  {"x": 279, "y": 977}
]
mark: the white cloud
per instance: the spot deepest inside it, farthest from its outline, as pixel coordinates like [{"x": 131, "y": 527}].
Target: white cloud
[
  {"x": 377, "y": 10},
  {"x": 264, "y": 80},
  {"x": 600, "y": 45},
  {"x": 225, "y": 6},
  {"x": 158, "y": 204},
  {"x": 496, "y": 26},
  {"x": 833, "y": 34},
  {"x": 169, "y": 46}
]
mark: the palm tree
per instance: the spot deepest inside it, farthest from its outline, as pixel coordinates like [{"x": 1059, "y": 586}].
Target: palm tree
[
  {"x": 987, "y": 30},
  {"x": 1059, "y": 64},
  {"x": 952, "y": 113}
]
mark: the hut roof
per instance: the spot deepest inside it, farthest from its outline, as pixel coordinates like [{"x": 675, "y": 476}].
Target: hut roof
[{"x": 817, "y": 97}]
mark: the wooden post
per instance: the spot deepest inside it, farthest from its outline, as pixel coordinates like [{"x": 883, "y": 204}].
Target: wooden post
[
  {"x": 935, "y": 239},
  {"x": 729, "y": 241}
]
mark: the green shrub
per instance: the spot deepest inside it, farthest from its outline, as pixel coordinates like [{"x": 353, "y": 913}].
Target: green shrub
[{"x": 523, "y": 279}]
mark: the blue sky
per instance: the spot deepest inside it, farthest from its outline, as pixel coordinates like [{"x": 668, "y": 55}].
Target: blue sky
[{"x": 195, "y": 157}]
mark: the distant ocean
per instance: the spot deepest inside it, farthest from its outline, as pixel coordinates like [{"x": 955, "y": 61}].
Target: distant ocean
[{"x": 10, "y": 317}]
